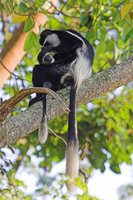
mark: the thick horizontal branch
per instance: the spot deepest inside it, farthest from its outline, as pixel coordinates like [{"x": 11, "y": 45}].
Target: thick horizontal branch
[
  {"x": 24, "y": 123},
  {"x": 12, "y": 103}
]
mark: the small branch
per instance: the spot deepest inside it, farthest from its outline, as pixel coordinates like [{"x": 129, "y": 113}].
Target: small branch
[
  {"x": 128, "y": 22},
  {"x": 21, "y": 14},
  {"x": 66, "y": 23},
  {"x": 8, "y": 69},
  {"x": 75, "y": 7},
  {"x": 18, "y": 77},
  {"x": 84, "y": 173},
  {"x": 60, "y": 11},
  {"x": 58, "y": 136},
  {"x": 85, "y": 150},
  {"x": 63, "y": 6}
]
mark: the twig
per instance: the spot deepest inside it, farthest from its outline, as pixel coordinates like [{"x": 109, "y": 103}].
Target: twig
[
  {"x": 66, "y": 23},
  {"x": 58, "y": 136},
  {"x": 128, "y": 22},
  {"x": 84, "y": 173},
  {"x": 16, "y": 76},
  {"x": 85, "y": 150},
  {"x": 82, "y": 147},
  {"x": 64, "y": 6},
  {"x": 6, "y": 68},
  {"x": 75, "y": 7},
  {"x": 103, "y": 66},
  {"x": 59, "y": 11},
  {"x": 21, "y": 14}
]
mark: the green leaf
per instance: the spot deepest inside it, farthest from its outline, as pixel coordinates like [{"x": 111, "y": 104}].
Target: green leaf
[
  {"x": 39, "y": 3},
  {"x": 44, "y": 11},
  {"x": 54, "y": 23},
  {"x": 83, "y": 19},
  {"x": 115, "y": 168},
  {"x": 101, "y": 48},
  {"x": 120, "y": 43},
  {"x": 89, "y": 35},
  {"x": 31, "y": 41},
  {"x": 116, "y": 1},
  {"x": 19, "y": 19},
  {"x": 100, "y": 121},
  {"x": 42, "y": 164},
  {"x": 101, "y": 33},
  {"x": 29, "y": 24},
  {"x": 24, "y": 9},
  {"x": 83, "y": 28},
  {"x": 128, "y": 35}
]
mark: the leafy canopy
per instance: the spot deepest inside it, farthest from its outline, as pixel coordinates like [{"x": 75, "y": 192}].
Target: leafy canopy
[{"x": 105, "y": 125}]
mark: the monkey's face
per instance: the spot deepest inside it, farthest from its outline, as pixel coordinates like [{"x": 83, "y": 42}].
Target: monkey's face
[{"x": 45, "y": 57}]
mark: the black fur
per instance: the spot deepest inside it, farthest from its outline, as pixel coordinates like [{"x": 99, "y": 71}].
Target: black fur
[{"x": 66, "y": 58}]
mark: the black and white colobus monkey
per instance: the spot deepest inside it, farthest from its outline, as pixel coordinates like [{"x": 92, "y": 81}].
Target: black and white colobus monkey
[{"x": 71, "y": 64}]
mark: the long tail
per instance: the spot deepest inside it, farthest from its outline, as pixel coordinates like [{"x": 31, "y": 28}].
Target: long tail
[
  {"x": 43, "y": 129},
  {"x": 72, "y": 166}
]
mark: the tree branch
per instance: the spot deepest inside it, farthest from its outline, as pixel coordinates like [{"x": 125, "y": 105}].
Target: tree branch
[
  {"x": 8, "y": 105},
  {"x": 25, "y": 122}
]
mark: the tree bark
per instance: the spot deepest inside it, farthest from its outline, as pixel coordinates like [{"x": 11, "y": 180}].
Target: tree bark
[
  {"x": 13, "y": 51},
  {"x": 25, "y": 122}
]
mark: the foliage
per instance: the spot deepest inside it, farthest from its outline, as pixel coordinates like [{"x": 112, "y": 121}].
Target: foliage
[
  {"x": 125, "y": 191},
  {"x": 105, "y": 125}
]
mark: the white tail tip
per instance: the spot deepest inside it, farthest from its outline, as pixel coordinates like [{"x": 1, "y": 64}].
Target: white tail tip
[
  {"x": 43, "y": 130},
  {"x": 72, "y": 168}
]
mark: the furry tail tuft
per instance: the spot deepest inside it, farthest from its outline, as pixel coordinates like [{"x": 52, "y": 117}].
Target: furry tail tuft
[
  {"x": 72, "y": 168},
  {"x": 43, "y": 130}
]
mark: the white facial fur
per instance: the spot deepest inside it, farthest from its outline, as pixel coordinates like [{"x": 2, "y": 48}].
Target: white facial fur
[{"x": 52, "y": 39}]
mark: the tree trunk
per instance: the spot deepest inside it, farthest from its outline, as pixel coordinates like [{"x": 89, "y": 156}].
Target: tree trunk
[{"x": 13, "y": 51}]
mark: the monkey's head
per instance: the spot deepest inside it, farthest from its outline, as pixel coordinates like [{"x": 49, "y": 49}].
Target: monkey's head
[
  {"x": 45, "y": 57},
  {"x": 44, "y": 35},
  {"x": 49, "y": 38}
]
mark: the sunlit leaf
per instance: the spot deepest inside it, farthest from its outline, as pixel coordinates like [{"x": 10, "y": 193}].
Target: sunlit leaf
[
  {"x": 100, "y": 48},
  {"x": 125, "y": 9},
  {"x": 31, "y": 40},
  {"x": 39, "y": 3},
  {"x": 115, "y": 168},
  {"x": 18, "y": 18},
  {"x": 29, "y": 24}
]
